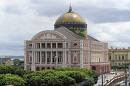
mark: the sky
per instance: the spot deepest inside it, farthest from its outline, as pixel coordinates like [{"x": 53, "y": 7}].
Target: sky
[{"x": 20, "y": 20}]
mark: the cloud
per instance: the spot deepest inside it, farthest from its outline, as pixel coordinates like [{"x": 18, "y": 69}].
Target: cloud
[
  {"x": 116, "y": 34},
  {"x": 101, "y": 15},
  {"x": 108, "y": 20},
  {"x": 15, "y": 28}
]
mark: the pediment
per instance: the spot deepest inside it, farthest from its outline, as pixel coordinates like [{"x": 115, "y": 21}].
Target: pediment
[{"x": 48, "y": 35}]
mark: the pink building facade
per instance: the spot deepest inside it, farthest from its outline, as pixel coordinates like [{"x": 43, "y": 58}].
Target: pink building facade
[{"x": 64, "y": 47}]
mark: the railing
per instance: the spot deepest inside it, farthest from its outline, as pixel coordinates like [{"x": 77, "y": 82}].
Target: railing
[{"x": 114, "y": 79}]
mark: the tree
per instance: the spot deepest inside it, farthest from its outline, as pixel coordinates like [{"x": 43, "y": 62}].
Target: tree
[
  {"x": 9, "y": 79},
  {"x": 18, "y": 63},
  {"x": 12, "y": 70}
]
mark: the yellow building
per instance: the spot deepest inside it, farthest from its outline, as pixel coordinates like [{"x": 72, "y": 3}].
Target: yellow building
[{"x": 118, "y": 57}]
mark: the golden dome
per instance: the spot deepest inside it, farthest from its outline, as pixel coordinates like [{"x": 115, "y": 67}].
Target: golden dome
[
  {"x": 72, "y": 21},
  {"x": 70, "y": 17}
]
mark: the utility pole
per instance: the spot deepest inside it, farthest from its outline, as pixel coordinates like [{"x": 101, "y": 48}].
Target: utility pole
[
  {"x": 125, "y": 75},
  {"x": 102, "y": 79},
  {"x": 102, "y": 76}
]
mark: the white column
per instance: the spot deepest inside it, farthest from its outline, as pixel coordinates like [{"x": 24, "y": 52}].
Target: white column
[
  {"x": 34, "y": 45},
  {"x": 33, "y": 61},
  {"x": 81, "y": 53},
  {"x": 56, "y": 45},
  {"x": 56, "y": 58},
  {"x": 51, "y": 44},
  {"x": 45, "y": 57},
  {"x": 69, "y": 57},
  {"x": 40, "y": 57},
  {"x": 45, "y": 45},
  {"x": 51, "y": 57},
  {"x": 25, "y": 62},
  {"x": 35, "y": 56},
  {"x": 64, "y": 55}
]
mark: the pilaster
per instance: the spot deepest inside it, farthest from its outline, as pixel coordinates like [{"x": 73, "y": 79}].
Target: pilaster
[{"x": 81, "y": 53}]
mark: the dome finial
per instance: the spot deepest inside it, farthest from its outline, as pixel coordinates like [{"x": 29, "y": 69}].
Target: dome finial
[{"x": 70, "y": 8}]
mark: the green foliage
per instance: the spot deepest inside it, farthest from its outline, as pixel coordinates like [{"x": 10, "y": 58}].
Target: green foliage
[
  {"x": 57, "y": 77},
  {"x": 9, "y": 79},
  {"x": 18, "y": 63},
  {"x": 89, "y": 81},
  {"x": 78, "y": 76},
  {"x": 79, "y": 31},
  {"x": 84, "y": 72},
  {"x": 48, "y": 78},
  {"x": 12, "y": 70}
]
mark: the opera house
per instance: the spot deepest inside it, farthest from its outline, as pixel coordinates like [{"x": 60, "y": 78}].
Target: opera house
[{"x": 68, "y": 45}]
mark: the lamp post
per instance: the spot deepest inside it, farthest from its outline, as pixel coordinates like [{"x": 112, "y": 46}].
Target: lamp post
[
  {"x": 101, "y": 74},
  {"x": 125, "y": 75},
  {"x": 102, "y": 79}
]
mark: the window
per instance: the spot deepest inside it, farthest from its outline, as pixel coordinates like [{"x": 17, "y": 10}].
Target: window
[
  {"x": 30, "y": 59},
  {"x": 30, "y": 45},
  {"x": 53, "y": 57},
  {"x": 122, "y": 57},
  {"x": 48, "y": 67},
  {"x": 43, "y": 57},
  {"x": 38, "y": 57},
  {"x": 48, "y": 45},
  {"x": 60, "y": 45},
  {"x": 37, "y": 68},
  {"x": 109, "y": 57},
  {"x": 53, "y": 45},
  {"x": 48, "y": 57},
  {"x": 38, "y": 45},
  {"x": 43, "y": 68},
  {"x": 43, "y": 45},
  {"x": 60, "y": 57},
  {"x": 66, "y": 45}
]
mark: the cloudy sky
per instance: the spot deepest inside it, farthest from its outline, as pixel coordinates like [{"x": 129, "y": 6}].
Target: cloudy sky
[{"x": 108, "y": 20}]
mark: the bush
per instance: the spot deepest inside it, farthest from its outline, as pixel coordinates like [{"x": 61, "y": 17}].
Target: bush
[
  {"x": 48, "y": 78},
  {"x": 84, "y": 70},
  {"x": 9, "y": 79},
  {"x": 57, "y": 77},
  {"x": 12, "y": 70},
  {"x": 84, "y": 73},
  {"x": 89, "y": 81},
  {"x": 78, "y": 76}
]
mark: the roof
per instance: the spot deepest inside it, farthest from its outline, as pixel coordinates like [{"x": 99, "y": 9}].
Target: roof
[{"x": 92, "y": 38}]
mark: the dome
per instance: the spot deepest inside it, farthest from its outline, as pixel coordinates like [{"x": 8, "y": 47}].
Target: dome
[
  {"x": 70, "y": 17},
  {"x": 72, "y": 21}
]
